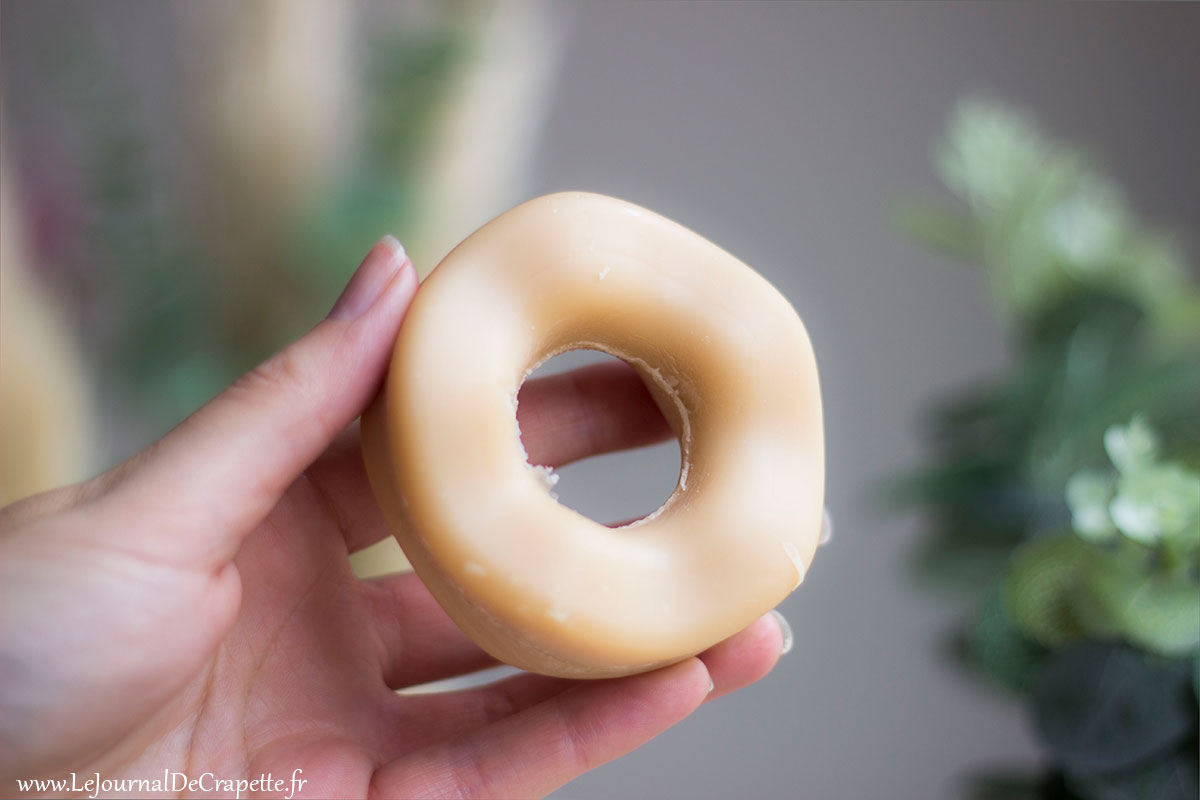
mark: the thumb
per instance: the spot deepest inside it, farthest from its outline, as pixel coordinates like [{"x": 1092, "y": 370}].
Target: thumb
[{"x": 203, "y": 487}]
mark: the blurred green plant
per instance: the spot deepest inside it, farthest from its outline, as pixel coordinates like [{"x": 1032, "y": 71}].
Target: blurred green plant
[
  {"x": 406, "y": 75},
  {"x": 150, "y": 312},
  {"x": 1065, "y": 493}
]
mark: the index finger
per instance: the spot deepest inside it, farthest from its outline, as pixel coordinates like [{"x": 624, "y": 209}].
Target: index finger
[{"x": 538, "y": 749}]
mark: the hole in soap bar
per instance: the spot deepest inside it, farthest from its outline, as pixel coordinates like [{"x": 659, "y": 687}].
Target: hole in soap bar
[{"x": 613, "y": 488}]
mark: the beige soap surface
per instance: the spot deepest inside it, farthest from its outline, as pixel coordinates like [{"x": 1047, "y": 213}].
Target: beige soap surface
[{"x": 533, "y": 582}]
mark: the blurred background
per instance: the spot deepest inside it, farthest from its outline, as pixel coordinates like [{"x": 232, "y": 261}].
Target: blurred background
[{"x": 187, "y": 186}]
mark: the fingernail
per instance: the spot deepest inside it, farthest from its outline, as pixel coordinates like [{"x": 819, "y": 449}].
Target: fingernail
[
  {"x": 711, "y": 685},
  {"x": 785, "y": 631},
  {"x": 826, "y": 528},
  {"x": 369, "y": 280}
]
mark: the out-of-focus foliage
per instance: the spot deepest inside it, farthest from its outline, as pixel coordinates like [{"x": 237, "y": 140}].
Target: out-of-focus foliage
[
  {"x": 1046, "y": 223},
  {"x": 1146, "y": 501},
  {"x": 1131, "y": 569},
  {"x": 1065, "y": 493},
  {"x": 406, "y": 76},
  {"x": 153, "y": 314}
]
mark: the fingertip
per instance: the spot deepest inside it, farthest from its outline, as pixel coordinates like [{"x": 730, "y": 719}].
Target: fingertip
[
  {"x": 636, "y": 708},
  {"x": 689, "y": 680},
  {"x": 766, "y": 641},
  {"x": 389, "y": 310},
  {"x": 372, "y": 280},
  {"x": 745, "y": 657},
  {"x": 701, "y": 678},
  {"x": 393, "y": 246}
]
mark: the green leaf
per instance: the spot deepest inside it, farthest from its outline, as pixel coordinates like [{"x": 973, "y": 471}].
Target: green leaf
[
  {"x": 1105, "y": 708},
  {"x": 1164, "y": 616},
  {"x": 1049, "y": 223},
  {"x": 1171, "y": 777},
  {"x": 1158, "y": 612},
  {"x": 1131, "y": 446},
  {"x": 1092, "y": 599},
  {"x": 1088, "y": 495},
  {"x": 1156, "y": 502},
  {"x": 1039, "y": 588},
  {"x": 1086, "y": 227},
  {"x": 989, "y": 154},
  {"x": 999, "y": 649}
]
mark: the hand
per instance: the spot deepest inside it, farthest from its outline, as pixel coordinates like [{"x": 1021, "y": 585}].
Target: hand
[{"x": 194, "y": 610}]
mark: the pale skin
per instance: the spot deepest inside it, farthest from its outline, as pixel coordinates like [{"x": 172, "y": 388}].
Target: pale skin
[{"x": 193, "y": 609}]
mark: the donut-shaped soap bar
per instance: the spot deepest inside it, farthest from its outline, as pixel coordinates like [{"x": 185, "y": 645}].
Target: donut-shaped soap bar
[{"x": 534, "y": 583}]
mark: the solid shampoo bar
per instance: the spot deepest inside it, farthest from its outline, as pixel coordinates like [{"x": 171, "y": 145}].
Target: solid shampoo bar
[{"x": 725, "y": 355}]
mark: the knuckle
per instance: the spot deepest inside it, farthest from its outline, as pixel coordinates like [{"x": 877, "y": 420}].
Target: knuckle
[
  {"x": 468, "y": 778},
  {"x": 34, "y": 507},
  {"x": 497, "y": 704},
  {"x": 574, "y": 740},
  {"x": 285, "y": 368}
]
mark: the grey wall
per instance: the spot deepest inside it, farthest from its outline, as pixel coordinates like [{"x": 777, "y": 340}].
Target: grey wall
[{"x": 782, "y": 131}]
